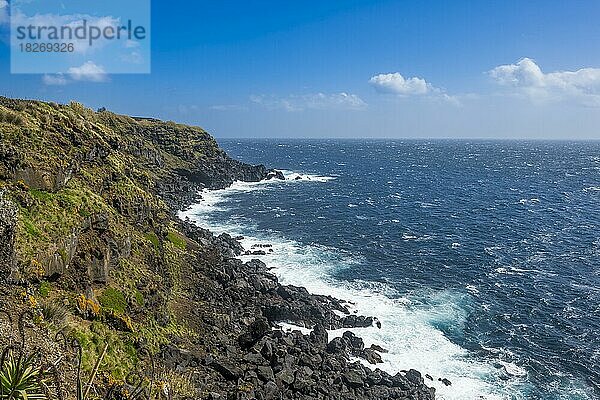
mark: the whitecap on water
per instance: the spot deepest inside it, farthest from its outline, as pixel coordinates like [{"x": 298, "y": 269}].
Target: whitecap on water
[
  {"x": 411, "y": 324},
  {"x": 296, "y": 176}
]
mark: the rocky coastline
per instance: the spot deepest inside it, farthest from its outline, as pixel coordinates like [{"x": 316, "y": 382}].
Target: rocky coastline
[
  {"x": 88, "y": 208},
  {"x": 284, "y": 364}
]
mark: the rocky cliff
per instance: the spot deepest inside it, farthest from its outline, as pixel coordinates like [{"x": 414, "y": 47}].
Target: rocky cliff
[{"x": 88, "y": 227}]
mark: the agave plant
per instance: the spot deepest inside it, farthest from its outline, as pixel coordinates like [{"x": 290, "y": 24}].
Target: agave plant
[{"x": 20, "y": 378}]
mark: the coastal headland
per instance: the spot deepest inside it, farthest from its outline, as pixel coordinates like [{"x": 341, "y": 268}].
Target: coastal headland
[{"x": 91, "y": 249}]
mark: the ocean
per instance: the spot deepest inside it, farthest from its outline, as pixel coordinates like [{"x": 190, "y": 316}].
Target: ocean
[{"x": 480, "y": 258}]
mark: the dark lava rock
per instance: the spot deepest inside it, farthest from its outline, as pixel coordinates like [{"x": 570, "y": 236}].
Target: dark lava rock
[
  {"x": 414, "y": 376},
  {"x": 227, "y": 369},
  {"x": 446, "y": 381},
  {"x": 357, "y": 321},
  {"x": 371, "y": 356},
  {"x": 378, "y": 348},
  {"x": 354, "y": 379},
  {"x": 256, "y": 330}
]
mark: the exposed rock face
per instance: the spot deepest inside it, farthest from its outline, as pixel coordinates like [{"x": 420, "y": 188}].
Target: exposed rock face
[
  {"x": 8, "y": 226},
  {"x": 50, "y": 181}
]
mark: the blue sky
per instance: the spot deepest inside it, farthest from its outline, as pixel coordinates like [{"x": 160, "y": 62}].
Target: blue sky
[{"x": 509, "y": 69}]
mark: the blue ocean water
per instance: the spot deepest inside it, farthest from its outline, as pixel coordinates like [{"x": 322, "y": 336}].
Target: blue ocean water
[{"x": 481, "y": 258}]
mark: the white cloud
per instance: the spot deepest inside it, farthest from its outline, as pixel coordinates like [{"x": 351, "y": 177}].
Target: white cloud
[
  {"x": 71, "y": 20},
  {"x": 88, "y": 72},
  {"x": 227, "y": 107},
  {"x": 396, "y": 84},
  {"x": 135, "y": 57},
  {"x": 184, "y": 109},
  {"x": 315, "y": 101},
  {"x": 131, "y": 44},
  {"x": 527, "y": 78},
  {"x": 54, "y": 80},
  {"x": 3, "y": 12}
]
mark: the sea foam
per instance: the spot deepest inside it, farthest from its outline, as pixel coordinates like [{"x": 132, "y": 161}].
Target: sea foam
[{"x": 410, "y": 328}]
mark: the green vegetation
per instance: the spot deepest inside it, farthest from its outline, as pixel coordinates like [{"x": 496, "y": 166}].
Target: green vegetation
[
  {"x": 53, "y": 312},
  {"x": 152, "y": 238},
  {"x": 21, "y": 378},
  {"x": 139, "y": 298},
  {"x": 121, "y": 355},
  {"x": 45, "y": 288},
  {"x": 40, "y": 195},
  {"x": 113, "y": 299},
  {"x": 11, "y": 117},
  {"x": 177, "y": 239}
]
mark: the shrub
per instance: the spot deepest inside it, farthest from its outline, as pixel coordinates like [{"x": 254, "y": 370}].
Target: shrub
[
  {"x": 53, "y": 312},
  {"x": 11, "y": 117},
  {"x": 87, "y": 307},
  {"x": 113, "y": 299}
]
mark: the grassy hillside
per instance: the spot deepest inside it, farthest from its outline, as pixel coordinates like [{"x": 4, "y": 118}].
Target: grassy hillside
[{"x": 94, "y": 230}]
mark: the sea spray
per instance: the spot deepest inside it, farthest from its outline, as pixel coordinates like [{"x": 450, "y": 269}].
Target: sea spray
[{"x": 411, "y": 328}]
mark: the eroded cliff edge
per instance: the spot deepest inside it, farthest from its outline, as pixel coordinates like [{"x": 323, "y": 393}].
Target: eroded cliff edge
[{"x": 87, "y": 221}]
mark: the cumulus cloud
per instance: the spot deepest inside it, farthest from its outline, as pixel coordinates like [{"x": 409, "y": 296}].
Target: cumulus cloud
[
  {"x": 396, "y": 84},
  {"x": 88, "y": 72},
  {"x": 316, "y": 101},
  {"x": 54, "y": 80},
  {"x": 526, "y": 77}
]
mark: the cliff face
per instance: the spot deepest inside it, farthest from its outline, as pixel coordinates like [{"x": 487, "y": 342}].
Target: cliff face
[
  {"x": 87, "y": 203},
  {"x": 8, "y": 227}
]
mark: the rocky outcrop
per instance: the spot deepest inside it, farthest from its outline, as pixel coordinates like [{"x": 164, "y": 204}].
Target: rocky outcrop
[
  {"x": 8, "y": 226},
  {"x": 50, "y": 181},
  {"x": 276, "y": 364}
]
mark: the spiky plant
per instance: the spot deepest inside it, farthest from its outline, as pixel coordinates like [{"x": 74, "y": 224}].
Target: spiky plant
[
  {"x": 21, "y": 378},
  {"x": 53, "y": 312}
]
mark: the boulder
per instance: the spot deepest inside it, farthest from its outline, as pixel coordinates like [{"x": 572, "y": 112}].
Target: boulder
[
  {"x": 227, "y": 369},
  {"x": 319, "y": 336},
  {"x": 255, "y": 332},
  {"x": 354, "y": 379},
  {"x": 265, "y": 373}
]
